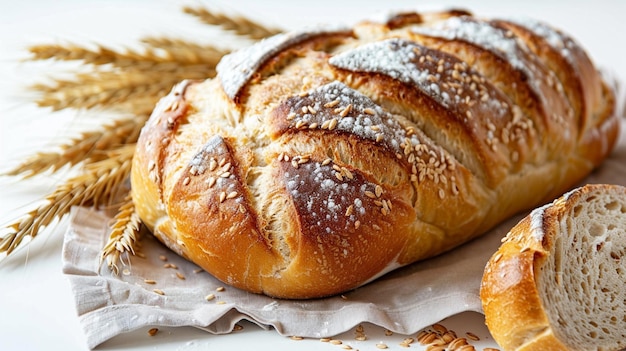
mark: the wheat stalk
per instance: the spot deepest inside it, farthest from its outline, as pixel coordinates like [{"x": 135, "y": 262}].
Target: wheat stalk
[
  {"x": 124, "y": 237},
  {"x": 123, "y": 80},
  {"x": 98, "y": 185},
  {"x": 99, "y": 56},
  {"x": 113, "y": 89},
  {"x": 240, "y": 25},
  {"x": 159, "y": 51},
  {"x": 90, "y": 147},
  {"x": 182, "y": 51},
  {"x": 137, "y": 79}
]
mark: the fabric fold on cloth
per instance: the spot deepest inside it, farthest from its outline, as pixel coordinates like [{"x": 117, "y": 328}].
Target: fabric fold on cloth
[{"x": 404, "y": 301}]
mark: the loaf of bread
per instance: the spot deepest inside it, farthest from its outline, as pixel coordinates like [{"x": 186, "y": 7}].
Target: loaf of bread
[
  {"x": 318, "y": 160},
  {"x": 558, "y": 280}
]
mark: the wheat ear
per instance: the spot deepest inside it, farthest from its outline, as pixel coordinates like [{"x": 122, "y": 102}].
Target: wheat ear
[
  {"x": 98, "y": 185},
  {"x": 240, "y": 25},
  {"x": 99, "y": 56},
  {"x": 159, "y": 51},
  {"x": 90, "y": 147},
  {"x": 124, "y": 237},
  {"x": 134, "y": 90},
  {"x": 136, "y": 80},
  {"x": 186, "y": 52}
]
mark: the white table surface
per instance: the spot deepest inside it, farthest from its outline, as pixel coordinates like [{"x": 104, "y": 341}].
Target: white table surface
[{"x": 36, "y": 306}]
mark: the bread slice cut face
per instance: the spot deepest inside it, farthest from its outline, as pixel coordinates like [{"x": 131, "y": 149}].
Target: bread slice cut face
[{"x": 558, "y": 281}]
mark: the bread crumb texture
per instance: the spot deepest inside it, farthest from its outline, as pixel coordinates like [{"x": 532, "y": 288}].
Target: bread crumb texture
[{"x": 583, "y": 282}]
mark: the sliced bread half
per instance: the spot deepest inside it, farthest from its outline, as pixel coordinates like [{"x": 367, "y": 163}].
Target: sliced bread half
[{"x": 558, "y": 281}]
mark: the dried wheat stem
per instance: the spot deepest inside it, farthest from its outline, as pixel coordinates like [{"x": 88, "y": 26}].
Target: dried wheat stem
[
  {"x": 112, "y": 88},
  {"x": 97, "y": 185},
  {"x": 240, "y": 25},
  {"x": 135, "y": 81},
  {"x": 186, "y": 52},
  {"x": 160, "y": 53},
  {"x": 124, "y": 236},
  {"x": 102, "y": 55},
  {"x": 90, "y": 147},
  {"x": 99, "y": 56}
]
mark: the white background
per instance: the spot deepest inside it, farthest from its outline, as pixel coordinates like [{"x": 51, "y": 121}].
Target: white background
[{"x": 36, "y": 307}]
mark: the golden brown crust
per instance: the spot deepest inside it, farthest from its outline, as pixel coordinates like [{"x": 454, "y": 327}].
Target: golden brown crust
[
  {"x": 511, "y": 302},
  {"x": 317, "y": 161}
]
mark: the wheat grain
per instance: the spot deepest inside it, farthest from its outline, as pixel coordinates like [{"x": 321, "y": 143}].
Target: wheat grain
[
  {"x": 124, "y": 234},
  {"x": 90, "y": 147},
  {"x": 98, "y": 185},
  {"x": 240, "y": 25}
]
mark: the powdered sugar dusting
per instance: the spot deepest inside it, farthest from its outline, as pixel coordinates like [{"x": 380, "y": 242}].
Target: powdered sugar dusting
[
  {"x": 335, "y": 106},
  {"x": 556, "y": 39},
  {"x": 483, "y": 34},
  {"x": 394, "y": 58},
  {"x": 201, "y": 161},
  {"x": 479, "y": 33},
  {"x": 330, "y": 204},
  {"x": 478, "y": 106},
  {"x": 235, "y": 69},
  {"x": 338, "y": 108},
  {"x": 502, "y": 43},
  {"x": 536, "y": 222},
  {"x": 215, "y": 163},
  {"x": 446, "y": 79}
]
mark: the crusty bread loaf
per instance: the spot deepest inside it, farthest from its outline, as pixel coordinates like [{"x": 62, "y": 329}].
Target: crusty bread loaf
[
  {"x": 320, "y": 159},
  {"x": 558, "y": 280}
]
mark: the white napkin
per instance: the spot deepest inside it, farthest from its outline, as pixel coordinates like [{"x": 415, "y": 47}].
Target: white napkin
[{"x": 403, "y": 301}]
